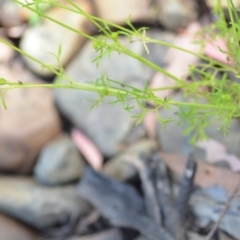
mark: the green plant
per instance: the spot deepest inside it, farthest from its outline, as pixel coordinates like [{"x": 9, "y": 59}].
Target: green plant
[{"x": 221, "y": 101}]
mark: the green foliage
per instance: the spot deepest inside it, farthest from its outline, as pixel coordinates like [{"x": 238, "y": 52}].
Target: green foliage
[{"x": 220, "y": 102}]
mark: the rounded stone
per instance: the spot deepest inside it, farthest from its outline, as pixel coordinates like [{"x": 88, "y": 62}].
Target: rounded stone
[{"x": 59, "y": 162}]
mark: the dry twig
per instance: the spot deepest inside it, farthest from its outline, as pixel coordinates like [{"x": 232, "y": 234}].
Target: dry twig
[{"x": 149, "y": 192}]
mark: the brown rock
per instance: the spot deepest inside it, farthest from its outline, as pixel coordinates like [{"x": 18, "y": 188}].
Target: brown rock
[
  {"x": 29, "y": 122},
  {"x": 11, "y": 229},
  {"x": 117, "y": 11},
  {"x": 48, "y": 36}
]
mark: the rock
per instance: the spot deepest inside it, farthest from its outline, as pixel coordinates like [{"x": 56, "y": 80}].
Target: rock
[
  {"x": 47, "y": 37},
  {"x": 29, "y": 122},
  {"x": 205, "y": 207},
  {"x": 59, "y": 162},
  {"x": 112, "y": 234},
  {"x": 117, "y": 11},
  {"x": 40, "y": 206},
  {"x": 118, "y": 168},
  {"x": 11, "y": 230},
  {"x": 10, "y": 14},
  {"x": 223, "y": 236},
  {"x": 176, "y": 14},
  {"x": 196, "y": 236},
  {"x": 108, "y": 127}
]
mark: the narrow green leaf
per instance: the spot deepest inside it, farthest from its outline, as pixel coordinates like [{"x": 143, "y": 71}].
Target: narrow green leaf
[{"x": 128, "y": 22}]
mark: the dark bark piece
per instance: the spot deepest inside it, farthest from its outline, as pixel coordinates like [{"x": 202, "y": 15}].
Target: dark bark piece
[
  {"x": 113, "y": 192},
  {"x": 120, "y": 204},
  {"x": 145, "y": 174},
  {"x": 171, "y": 220},
  {"x": 186, "y": 188}
]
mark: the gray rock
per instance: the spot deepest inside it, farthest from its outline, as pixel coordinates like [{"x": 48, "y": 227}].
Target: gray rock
[
  {"x": 196, "y": 236},
  {"x": 112, "y": 234},
  {"x": 217, "y": 193},
  {"x": 40, "y": 206},
  {"x": 206, "y": 207},
  {"x": 176, "y": 14},
  {"x": 59, "y": 162},
  {"x": 106, "y": 126},
  {"x": 222, "y": 236},
  {"x": 118, "y": 168}
]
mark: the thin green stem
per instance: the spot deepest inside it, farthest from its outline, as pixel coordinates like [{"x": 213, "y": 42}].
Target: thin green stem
[
  {"x": 151, "y": 64},
  {"x": 28, "y": 55},
  {"x": 112, "y": 92},
  {"x": 201, "y": 56},
  {"x": 51, "y": 69},
  {"x": 57, "y": 22},
  {"x": 79, "y": 86}
]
